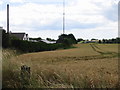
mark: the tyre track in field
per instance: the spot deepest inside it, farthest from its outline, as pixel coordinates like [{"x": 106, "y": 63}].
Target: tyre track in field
[
  {"x": 102, "y": 52},
  {"x": 96, "y": 47},
  {"x": 85, "y": 58},
  {"x": 102, "y": 55}
]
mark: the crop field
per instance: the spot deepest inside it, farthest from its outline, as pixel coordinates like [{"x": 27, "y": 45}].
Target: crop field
[{"x": 86, "y": 66}]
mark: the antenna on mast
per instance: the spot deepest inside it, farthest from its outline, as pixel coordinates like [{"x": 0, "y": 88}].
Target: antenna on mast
[{"x": 63, "y": 16}]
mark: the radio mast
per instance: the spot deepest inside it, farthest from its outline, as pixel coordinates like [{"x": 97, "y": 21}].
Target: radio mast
[{"x": 63, "y": 16}]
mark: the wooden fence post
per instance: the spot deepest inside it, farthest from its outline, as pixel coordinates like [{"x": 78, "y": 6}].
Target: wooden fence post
[{"x": 25, "y": 76}]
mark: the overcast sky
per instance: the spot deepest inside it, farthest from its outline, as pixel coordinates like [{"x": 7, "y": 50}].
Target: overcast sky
[{"x": 43, "y": 18}]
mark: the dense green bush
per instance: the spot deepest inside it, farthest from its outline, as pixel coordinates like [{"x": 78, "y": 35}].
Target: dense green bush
[
  {"x": 5, "y": 39},
  {"x": 27, "y": 46},
  {"x": 67, "y": 40}
]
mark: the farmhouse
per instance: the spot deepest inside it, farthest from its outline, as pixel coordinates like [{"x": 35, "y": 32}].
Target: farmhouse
[{"x": 21, "y": 36}]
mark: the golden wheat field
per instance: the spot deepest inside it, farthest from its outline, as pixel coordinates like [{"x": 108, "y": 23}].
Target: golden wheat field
[{"x": 86, "y": 66}]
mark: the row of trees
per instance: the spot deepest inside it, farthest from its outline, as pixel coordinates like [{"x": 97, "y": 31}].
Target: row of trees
[
  {"x": 49, "y": 39},
  {"x": 39, "y": 39},
  {"x": 113, "y": 40}
]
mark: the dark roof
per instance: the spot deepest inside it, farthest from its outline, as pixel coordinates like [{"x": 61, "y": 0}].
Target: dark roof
[
  {"x": 18, "y": 35},
  {"x": 1, "y": 28}
]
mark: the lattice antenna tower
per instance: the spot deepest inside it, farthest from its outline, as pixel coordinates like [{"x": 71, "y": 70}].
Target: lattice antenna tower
[{"x": 63, "y": 16}]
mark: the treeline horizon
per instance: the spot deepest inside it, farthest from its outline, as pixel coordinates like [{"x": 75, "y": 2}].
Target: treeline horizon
[
  {"x": 64, "y": 41},
  {"x": 112, "y": 40},
  {"x": 52, "y": 39}
]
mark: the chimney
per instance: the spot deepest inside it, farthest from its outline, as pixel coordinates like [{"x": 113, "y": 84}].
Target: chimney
[{"x": 7, "y": 18}]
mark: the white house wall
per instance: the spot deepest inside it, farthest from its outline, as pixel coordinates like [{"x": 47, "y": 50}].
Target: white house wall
[{"x": 25, "y": 37}]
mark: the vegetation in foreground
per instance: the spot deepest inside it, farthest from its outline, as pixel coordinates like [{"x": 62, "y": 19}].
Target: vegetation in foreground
[{"x": 87, "y": 66}]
